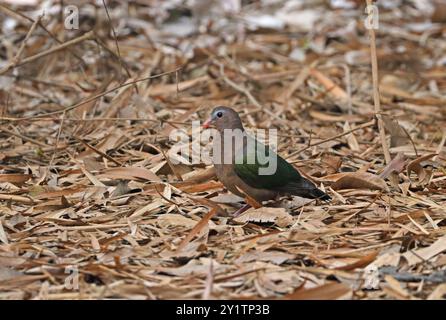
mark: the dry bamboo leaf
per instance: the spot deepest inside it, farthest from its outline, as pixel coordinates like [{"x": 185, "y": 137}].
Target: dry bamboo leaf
[
  {"x": 287, "y": 93},
  {"x": 15, "y": 178},
  {"x": 200, "y": 225},
  {"x": 395, "y": 286},
  {"x": 396, "y": 165},
  {"x": 386, "y": 259},
  {"x": 334, "y": 118},
  {"x": 264, "y": 214},
  {"x": 438, "y": 293},
  {"x": 91, "y": 177},
  {"x": 44, "y": 194},
  {"x": 227, "y": 198},
  {"x": 131, "y": 173},
  {"x": 351, "y": 139},
  {"x": 14, "y": 198},
  {"x": 195, "y": 268},
  {"x": 198, "y": 187},
  {"x": 276, "y": 257},
  {"x": 95, "y": 243},
  {"x": 163, "y": 89},
  {"x": 3, "y": 236},
  {"x": 8, "y": 273},
  {"x": 181, "y": 118},
  {"x": 150, "y": 208},
  {"x": 415, "y": 166},
  {"x": 198, "y": 176},
  {"x": 362, "y": 262},
  {"x": 425, "y": 254},
  {"x": 360, "y": 180},
  {"x": 398, "y": 136},
  {"x": 332, "y": 88},
  {"x": 169, "y": 219},
  {"x": 329, "y": 291}
]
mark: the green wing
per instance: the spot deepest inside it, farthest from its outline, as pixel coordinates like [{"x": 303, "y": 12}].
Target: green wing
[{"x": 250, "y": 172}]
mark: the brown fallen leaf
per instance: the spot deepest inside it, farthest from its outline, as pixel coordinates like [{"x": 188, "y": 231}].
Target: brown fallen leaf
[
  {"x": 331, "y": 163},
  {"x": 181, "y": 118},
  {"x": 227, "y": 198},
  {"x": 200, "y": 175},
  {"x": 170, "y": 219},
  {"x": 415, "y": 166},
  {"x": 15, "y": 198},
  {"x": 424, "y": 254},
  {"x": 396, "y": 165},
  {"x": 323, "y": 116},
  {"x": 198, "y": 187},
  {"x": 44, "y": 194},
  {"x": 264, "y": 214},
  {"x": 329, "y": 291},
  {"x": 196, "y": 267},
  {"x": 394, "y": 288},
  {"x": 351, "y": 139},
  {"x": 438, "y": 293},
  {"x": 8, "y": 273},
  {"x": 360, "y": 180},
  {"x": 163, "y": 89},
  {"x": 398, "y": 136},
  {"x": 15, "y": 178},
  {"x": 200, "y": 225},
  {"x": 3, "y": 235},
  {"x": 362, "y": 262},
  {"x": 131, "y": 173},
  {"x": 276, "y": 257},
  {"x": 333, "y": 89}
]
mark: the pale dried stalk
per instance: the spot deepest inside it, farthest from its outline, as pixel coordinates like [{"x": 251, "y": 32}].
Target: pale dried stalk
[{"x": 377, "y": 104}]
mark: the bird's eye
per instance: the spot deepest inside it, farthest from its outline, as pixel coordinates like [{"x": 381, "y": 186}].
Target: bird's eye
[{"x": 219, "y": 114}]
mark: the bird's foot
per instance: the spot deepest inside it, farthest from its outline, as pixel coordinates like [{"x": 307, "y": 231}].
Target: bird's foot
[{"x": 241, "y": 210}]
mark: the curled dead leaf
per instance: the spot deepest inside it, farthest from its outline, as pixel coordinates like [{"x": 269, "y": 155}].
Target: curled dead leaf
[{"x": 415, "y": 166}]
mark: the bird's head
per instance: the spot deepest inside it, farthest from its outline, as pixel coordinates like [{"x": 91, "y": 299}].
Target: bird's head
[{"x": 223, "y": 118}]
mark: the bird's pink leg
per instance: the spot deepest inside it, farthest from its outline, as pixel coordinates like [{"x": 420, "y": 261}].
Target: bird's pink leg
[{"x": 241, "y": 210}]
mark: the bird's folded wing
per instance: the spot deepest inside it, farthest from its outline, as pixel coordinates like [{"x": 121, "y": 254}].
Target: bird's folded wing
[{"x": 252, "y": 174}]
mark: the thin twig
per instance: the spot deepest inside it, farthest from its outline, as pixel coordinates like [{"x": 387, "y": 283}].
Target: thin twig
[
  {"x": 16, "y": 15},
  {"x": 87, "y": 36},
  {"x": 16, "y": 58},
  {"x": 247, "y": 93},
  {"x": 59, "y": 131},
  {"x": 102, "y": 154},
  {"x": 40, "y": 144},
  {"x": 362, "y": 126},
  {"x": 93, "y": 119},
  {"x": 121, "y": 62},
  {"x": 99, "y": 95}
]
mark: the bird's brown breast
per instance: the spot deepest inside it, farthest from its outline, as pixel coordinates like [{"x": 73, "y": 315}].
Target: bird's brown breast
[{"x": 226, "y": 174}]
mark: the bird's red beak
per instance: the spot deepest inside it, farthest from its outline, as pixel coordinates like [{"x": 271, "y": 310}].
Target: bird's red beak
[{"x": 207, "y": 123}]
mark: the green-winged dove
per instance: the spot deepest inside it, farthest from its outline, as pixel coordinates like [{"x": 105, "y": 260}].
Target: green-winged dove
[{"x": 241, "y": 170}]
